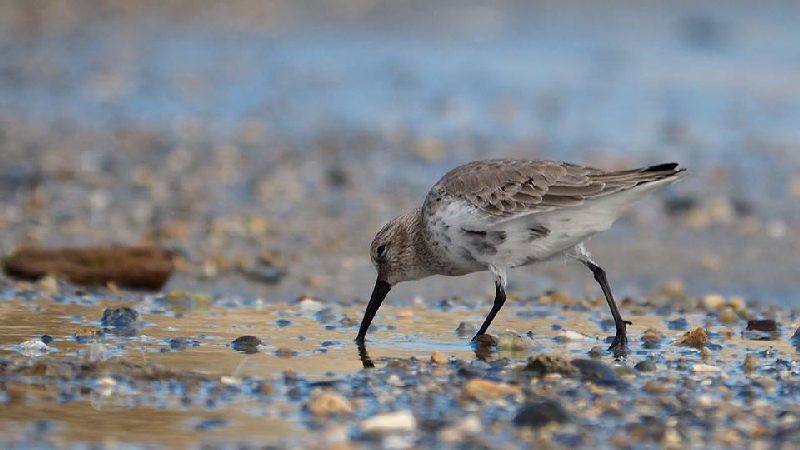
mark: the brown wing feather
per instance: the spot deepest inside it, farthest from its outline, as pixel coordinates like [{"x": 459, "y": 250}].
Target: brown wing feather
[{"x": 507, "y": 187}]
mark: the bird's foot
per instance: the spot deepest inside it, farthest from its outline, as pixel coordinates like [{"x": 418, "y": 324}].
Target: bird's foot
[{"x": 620, "y": 343}]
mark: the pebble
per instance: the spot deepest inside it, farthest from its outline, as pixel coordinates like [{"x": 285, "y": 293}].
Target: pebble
[
  {"x": 547, "y": 364},
  {"x": 466, "y": 428},
  {"x": 596, "y": 371},
  {"x": 762, "y": 330},
  {"x": 119, "y": 317},
  {"x": 33, "y": 347},
  {"x": 571, "y": 336},
  {"x": 439, "y": 358},
  {"x": 246, "y": 344},
  {"x": 696, "y": 338},
  {"x": 478, "y": 389},
  {"x": 795, "y": 339},
  {"x": 230, "y": 380},
  {"x": 389, "y": 423},
  {"x": 751, "y": 362},
  {"x": 310, "y": 304},
  {"x": 727, "y": 315},
  {"x": 713, "y": 302},
  {"x": 652, "y": 338},
  {"x": 285, "y": 352},
  {"x": 705, "y": 368},
  {"x": 596, "y": 352},
  {"x": 512, "y": 341},
  {"x": 762, "y": 325},
  {"x": 738, "y": 304},
  {"x": 486, "y": 339},
  {"x": 540, "y": 413},
  {"x": 646, "y": 366},
  {"x": 405, "y": 314},
  {"x": 87, "y": 334},
  {"x": 465, "y": 329},
  {"x": 265, "y": 272},
  {"x": 323, "y": 404}
]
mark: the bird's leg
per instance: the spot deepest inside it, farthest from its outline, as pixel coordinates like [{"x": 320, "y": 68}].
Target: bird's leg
[
  {"x": 499, "y": 300},
  {"x": 363, "y": 355},
  {"x": 620, "y": 343}
]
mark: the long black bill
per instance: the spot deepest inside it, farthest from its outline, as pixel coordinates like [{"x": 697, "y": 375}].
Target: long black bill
[{"x": 378, "y": 294}]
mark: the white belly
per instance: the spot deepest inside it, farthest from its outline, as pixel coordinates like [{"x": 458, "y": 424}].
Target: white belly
[{"x": 472, "y": 241}]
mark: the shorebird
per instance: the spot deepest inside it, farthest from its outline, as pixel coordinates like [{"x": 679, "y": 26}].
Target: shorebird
[{"x": 498, "y": 214}]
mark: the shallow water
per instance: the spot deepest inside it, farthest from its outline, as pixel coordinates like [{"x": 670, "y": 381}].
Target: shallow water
[{"x": 209, "y": 392}]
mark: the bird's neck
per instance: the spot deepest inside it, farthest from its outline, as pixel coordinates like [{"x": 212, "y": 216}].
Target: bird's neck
[{"x": 422, "y": 260}]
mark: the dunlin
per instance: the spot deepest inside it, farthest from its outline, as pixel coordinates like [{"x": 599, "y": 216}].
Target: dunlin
[{"x": 504, "y": 213}]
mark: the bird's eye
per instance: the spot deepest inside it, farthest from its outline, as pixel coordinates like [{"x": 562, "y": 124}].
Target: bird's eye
[{"x": 380, "y": 250}]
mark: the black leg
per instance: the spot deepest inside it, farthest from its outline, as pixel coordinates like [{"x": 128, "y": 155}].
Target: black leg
[
  {"x": 620, "y": 343},
  {"x": 499, "y": 300},
  {"x": 363, "y": 355}
]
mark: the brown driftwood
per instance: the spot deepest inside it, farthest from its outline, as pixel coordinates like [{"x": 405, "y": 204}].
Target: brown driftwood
[{"x": 141, "y": 268}]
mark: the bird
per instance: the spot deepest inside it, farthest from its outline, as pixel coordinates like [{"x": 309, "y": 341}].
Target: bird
[{"x": 497, "y": 214}]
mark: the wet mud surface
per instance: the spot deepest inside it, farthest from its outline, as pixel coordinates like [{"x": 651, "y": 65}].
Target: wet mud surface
[{"x": 265, "y": 143}]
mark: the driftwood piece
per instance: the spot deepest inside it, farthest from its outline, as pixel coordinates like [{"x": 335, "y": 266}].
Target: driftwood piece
[{"x": 140, "y": 268}]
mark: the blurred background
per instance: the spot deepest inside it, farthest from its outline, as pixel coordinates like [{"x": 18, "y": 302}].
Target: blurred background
[{"x": 266, "y": 141}]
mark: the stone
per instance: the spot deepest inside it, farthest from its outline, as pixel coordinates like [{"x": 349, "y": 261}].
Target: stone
[
  {"x": 596, "y": 352},
  {"x": 571, "y": 336},
  {"x": 546, "y": 364},
  {"x": 645, "y": 366},
  {"x": 33, "y": 347},
  {"x": 389, "y": 423},
  {"x": 540, "y": 413},
  {"x": 738, "y": 304},
  {"x": 486, "y": 339},
  {"x": 652, "y": 338},
  {"x": 713, "y": 302},
  {"x": 696, "y": 338},
  {"x": 323, "y": 404},
  {"x": 139, "y": 267},
  {"x": 727, "y": 315},
  {"x": 246, "y": 344},
  {"x": 465, "y": 329},
  {"x": 483, "y": 390},
  {"x": 285, "y": 352},
  {"x": 596, "y": 372},
  {"x": 439, "y": 358},
  {"x": 762, "y": 325},
  {"x": 751, "y": 362},
  {"x": 706, "y": 368},
  {"x": 119, "y": 317},
  {"x": 512, "y": 341},
  {"x": 762, "y": 330}
]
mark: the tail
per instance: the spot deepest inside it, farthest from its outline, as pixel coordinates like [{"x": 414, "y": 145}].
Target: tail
[
  {"x": 624, "y": 180},
  {"x": 661, "y": 172}
]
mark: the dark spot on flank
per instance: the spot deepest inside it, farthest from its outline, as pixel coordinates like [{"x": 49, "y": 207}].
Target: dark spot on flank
[
  {"x": 566, "y": 219},
  {"x": 538, "y": 231},
  {"x": 473, "y": 232},
  {"x": 466, "y": 254},
  {"x": 486, "y": 248}
]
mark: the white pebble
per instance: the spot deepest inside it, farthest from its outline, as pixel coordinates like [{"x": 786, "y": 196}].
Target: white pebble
[
  {"x": 394, "y": 422},
  {"x": 33, "y": 347}
]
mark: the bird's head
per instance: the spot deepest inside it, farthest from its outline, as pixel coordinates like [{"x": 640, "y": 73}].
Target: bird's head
[{"x": 394, "y": 249}]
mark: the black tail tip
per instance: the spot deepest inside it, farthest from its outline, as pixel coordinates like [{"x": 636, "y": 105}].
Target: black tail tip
[{"x": 662, "y": 167}]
